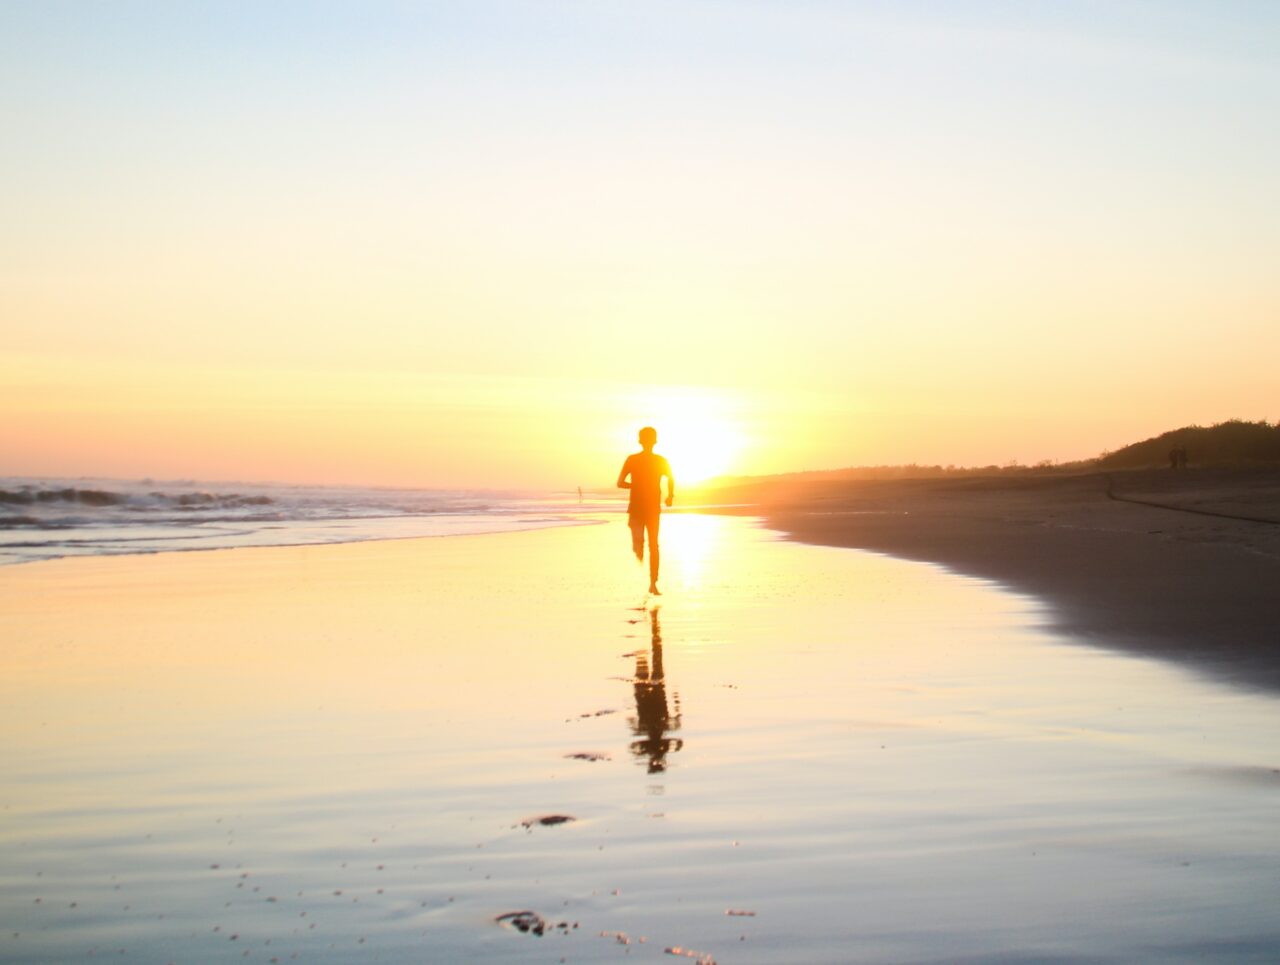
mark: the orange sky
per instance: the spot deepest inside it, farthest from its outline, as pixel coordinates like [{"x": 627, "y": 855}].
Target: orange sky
[{"x": 481, "y": 244}]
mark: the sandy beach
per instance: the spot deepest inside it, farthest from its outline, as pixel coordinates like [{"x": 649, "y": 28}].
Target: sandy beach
[
  {"x": 497, "y": 748},
  {"x": 1184, "y": 566}
]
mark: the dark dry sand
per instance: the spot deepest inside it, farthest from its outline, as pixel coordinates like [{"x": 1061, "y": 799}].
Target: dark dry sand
[{"x": 1174, "y": 579}]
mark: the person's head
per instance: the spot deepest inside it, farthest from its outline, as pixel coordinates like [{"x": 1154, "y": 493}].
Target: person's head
[{"x": 648, "y": 437}]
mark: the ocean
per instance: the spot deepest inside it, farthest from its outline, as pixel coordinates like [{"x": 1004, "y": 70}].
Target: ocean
[{"x": 47, "y": 518}]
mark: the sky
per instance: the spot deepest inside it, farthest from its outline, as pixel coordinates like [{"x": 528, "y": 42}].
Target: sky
[{"x": 481, "y": 243}]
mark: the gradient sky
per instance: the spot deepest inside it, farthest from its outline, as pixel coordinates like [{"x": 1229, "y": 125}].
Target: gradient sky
[{"x": 481, "y": 243}]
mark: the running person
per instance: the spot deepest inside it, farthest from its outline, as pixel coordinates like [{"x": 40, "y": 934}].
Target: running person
[{"x": 646, "y": 469}]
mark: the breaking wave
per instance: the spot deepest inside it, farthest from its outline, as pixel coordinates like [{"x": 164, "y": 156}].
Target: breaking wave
[
  {"x": 49, "y": 518},
  {"x": 33, "y": 495}
]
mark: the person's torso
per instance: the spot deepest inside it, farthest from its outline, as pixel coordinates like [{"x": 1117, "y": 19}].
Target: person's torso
[{"x": 647, "y": 470}]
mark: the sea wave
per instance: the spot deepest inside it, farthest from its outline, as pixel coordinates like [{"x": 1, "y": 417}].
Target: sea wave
[
  {"x": 31, "y": 495},
  {"x": 48, "y": 518}
]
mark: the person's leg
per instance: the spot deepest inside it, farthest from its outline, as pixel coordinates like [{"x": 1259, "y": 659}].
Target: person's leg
[
  {"x": 637, "y": 536},
  {"x": 652, "y": 526}
]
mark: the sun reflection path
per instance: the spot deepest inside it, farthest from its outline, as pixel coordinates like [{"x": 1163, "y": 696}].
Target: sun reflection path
[{"x": 690, "y": 541}]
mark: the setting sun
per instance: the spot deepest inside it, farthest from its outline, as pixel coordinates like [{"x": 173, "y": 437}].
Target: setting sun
[
  {"x": 699, "y": 447},
  {"x": 697, "y": 431}
]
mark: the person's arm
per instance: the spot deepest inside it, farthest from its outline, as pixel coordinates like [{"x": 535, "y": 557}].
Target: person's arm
[
  {"x": 622, "y": 476},
  {"x": 671, "y": 485}
]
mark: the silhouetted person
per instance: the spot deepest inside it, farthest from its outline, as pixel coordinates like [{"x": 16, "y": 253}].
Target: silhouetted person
[
  {"x": 646, "y": 469},
  {"x": 653, "y": 720},
  {"x": 1173, "y": 457},
  {"x": 1182, "y": 456}
]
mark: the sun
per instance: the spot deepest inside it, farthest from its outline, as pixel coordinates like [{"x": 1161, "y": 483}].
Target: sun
[
  {"x": 698, "y": 432},
  {"x": 698, "y": 448}
]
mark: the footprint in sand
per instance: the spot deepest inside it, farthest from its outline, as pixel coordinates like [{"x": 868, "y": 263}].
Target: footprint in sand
[
  {"x": 525, "y": 922},
  {"x": 594, "y": 713},
  {"x": 546, "y": 821}
]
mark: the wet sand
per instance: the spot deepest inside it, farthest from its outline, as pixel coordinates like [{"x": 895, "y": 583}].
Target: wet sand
[
  {"x": 1183, "y": 566},
  {"x": 496, "y": 748}
]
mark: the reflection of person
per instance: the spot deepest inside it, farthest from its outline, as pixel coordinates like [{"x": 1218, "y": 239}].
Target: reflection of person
[
  {"x": 653, "y": 719},
  {"x": 646, "y": 469}
]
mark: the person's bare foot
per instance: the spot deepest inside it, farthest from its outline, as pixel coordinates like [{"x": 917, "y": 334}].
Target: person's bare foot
[{"x": 653, "y": 588}]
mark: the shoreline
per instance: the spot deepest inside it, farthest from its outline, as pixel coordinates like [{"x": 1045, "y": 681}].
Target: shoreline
[
  {"x": 1151, "y": 563},
  {"x": 487, "y": 525},
  {"x": 1178, "y": 566}
]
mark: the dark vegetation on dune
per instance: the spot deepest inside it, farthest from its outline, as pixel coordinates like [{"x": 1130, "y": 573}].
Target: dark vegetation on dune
[{"x": 1231, "y": 444}]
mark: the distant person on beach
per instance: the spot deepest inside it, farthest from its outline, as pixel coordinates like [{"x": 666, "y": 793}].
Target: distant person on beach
[
  {"x": 646, "y": 469},
  {"x": 1182, "y": 456}
]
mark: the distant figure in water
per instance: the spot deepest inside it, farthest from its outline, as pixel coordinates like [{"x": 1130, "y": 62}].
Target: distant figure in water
[
  {"x": 646, "y": 469},
  {"x": 1178, "y": 457},
  {"x": 579, "y": 495}
]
